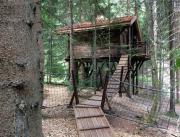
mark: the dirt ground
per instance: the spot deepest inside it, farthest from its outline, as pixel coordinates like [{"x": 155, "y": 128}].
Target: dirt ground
[{"x": 59, "y": 121}]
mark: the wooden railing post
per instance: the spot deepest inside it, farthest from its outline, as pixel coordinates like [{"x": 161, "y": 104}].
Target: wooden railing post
[
  {"x": 75, "y": 93},
  {"x": 120, "y": 84},
  {"x": 101, "y": 80}
]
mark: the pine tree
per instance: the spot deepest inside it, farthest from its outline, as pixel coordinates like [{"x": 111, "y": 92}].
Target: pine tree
[{"x": 21, "y": 67}]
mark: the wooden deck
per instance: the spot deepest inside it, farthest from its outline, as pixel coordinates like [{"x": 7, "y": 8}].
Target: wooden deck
[{"x": 90, "y": 119}]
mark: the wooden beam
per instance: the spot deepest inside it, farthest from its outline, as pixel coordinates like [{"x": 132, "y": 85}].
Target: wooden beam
[
  {"x": 100, "y": 115},
  {"x": 94, "y": 128}
]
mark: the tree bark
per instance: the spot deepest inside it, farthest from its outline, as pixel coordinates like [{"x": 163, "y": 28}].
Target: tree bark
[
  {"x": 177, "y": 41},
  {"x": 172, "y": 59},
  {"x": 155, "y": 82},
  {"x": 136, "y": 7},
  {"x": 95, "y": 2},
  {"x": 128, "y": 7},
  {"x": 72, "y": 65},
  {"x": 178, "y": 85},
  {"x": 21, "y": 69}
]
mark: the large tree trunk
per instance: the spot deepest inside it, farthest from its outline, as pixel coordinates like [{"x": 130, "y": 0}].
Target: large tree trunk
[
  {"x": 177, "y": 42},
  {"x": 20, "y": 69},
  {"x": 155, "y": 81}
]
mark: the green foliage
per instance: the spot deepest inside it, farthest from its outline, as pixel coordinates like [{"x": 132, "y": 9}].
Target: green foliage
[{"x": 178, "y": 63}]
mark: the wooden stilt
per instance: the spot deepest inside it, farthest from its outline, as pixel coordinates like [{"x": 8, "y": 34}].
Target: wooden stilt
[
  {"x": 137, "y": 81},
  {"x": 120, "y": 84},
  {"x": 104, "y": 96},
  {"x": 75, "y": 93},
  {"x": 133, "y": 81}
]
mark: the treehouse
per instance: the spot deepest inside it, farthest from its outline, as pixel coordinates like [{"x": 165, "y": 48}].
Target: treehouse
[{"x": 106, "y": 42}]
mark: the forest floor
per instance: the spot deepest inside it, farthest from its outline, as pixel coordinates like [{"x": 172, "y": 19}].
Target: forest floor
[{"x": 59, "y": 121}]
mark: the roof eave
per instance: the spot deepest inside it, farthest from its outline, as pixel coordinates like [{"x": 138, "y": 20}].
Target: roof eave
[{"x": 92, "y": 28}]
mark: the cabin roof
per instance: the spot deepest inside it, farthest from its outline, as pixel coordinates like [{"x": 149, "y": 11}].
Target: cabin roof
[{"x": 100, "y": 23}]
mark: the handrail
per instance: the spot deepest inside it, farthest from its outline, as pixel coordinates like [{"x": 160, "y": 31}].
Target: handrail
[{"x": 126, "y": 83}]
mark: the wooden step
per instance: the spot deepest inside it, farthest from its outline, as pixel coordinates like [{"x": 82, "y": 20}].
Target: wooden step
[
  {"x": 91, "y": 122},
  {"x": 107, "y": 132},
  {"x": 91, "y": 103},
  {"x": 112, "y": 86},
  {"x": 87, "y": 112}
]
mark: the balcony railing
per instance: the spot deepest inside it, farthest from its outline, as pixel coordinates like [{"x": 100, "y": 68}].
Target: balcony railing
[
  {"x": 115, "y": 50},
  {"x": 140, "y": 48}
]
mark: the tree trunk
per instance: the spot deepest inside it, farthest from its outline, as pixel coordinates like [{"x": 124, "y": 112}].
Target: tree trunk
[
  {"x": 136, "y": 7},
  {"x": 178, "y": 85},
  {"x": 21, "y": 67},
  {"x": 172, "y": 59},
  {"x": 94, "y": 46},
  {"x": 177, "y": 41},
  {"x": 155, "y": 82},
  {"x": 72, "y": 68},
  {"x": 128, "y": 7}
]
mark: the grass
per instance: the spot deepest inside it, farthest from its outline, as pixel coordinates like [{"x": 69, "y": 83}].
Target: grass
[{"x": 172, "y": 114}]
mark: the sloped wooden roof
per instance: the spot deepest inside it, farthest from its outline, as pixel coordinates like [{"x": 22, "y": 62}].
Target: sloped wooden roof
[{"x": 100, "y": 23}]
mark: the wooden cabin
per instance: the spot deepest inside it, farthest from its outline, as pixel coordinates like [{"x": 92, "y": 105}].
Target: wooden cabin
[{"x": 113, "y": 39}]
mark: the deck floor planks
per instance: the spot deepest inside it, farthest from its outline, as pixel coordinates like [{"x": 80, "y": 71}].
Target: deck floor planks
[
  {"x": 92, "y": 126},
  {"x": 99, "y": 133},
  {"x": 92, "y": 123}
]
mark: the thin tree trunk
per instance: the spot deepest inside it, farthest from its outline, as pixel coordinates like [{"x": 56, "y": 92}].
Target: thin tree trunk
[
  {"x": 128, "y": 7},
  {"x": 50, "y": 59},
  {"x": 136, "y": 7},
  {"x": 21, "y": 69},
  {"x": 172, "y": 59},
  {"x": 72, "y": 68},
  {"x": 94, "y": 46},
  {"x": 178, "y": 85},
  {"x": 80, "y": 11}
]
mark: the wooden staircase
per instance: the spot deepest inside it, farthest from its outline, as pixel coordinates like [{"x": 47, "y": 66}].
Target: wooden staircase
[
  {"x": 114, "y": 84},
  {"x": 90, "y": 119}
]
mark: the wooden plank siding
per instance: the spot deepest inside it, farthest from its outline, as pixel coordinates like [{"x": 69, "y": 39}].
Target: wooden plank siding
[{"x": 115, "y": 51}]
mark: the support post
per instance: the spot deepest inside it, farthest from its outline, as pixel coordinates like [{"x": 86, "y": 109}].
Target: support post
[
  {"x": 101, "y": 79},
  {"x": 129, "y": 59},
  {"x": 129, "y": 77},
  {"x": 137, "y": 80},
  {"x": 104, "y": 96},
  {"x": 120, "y": 84},
  {"x": 133, "y": 76},
  {"x": 76, "y": 71},
  {"x": 75, "y": 93}
]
